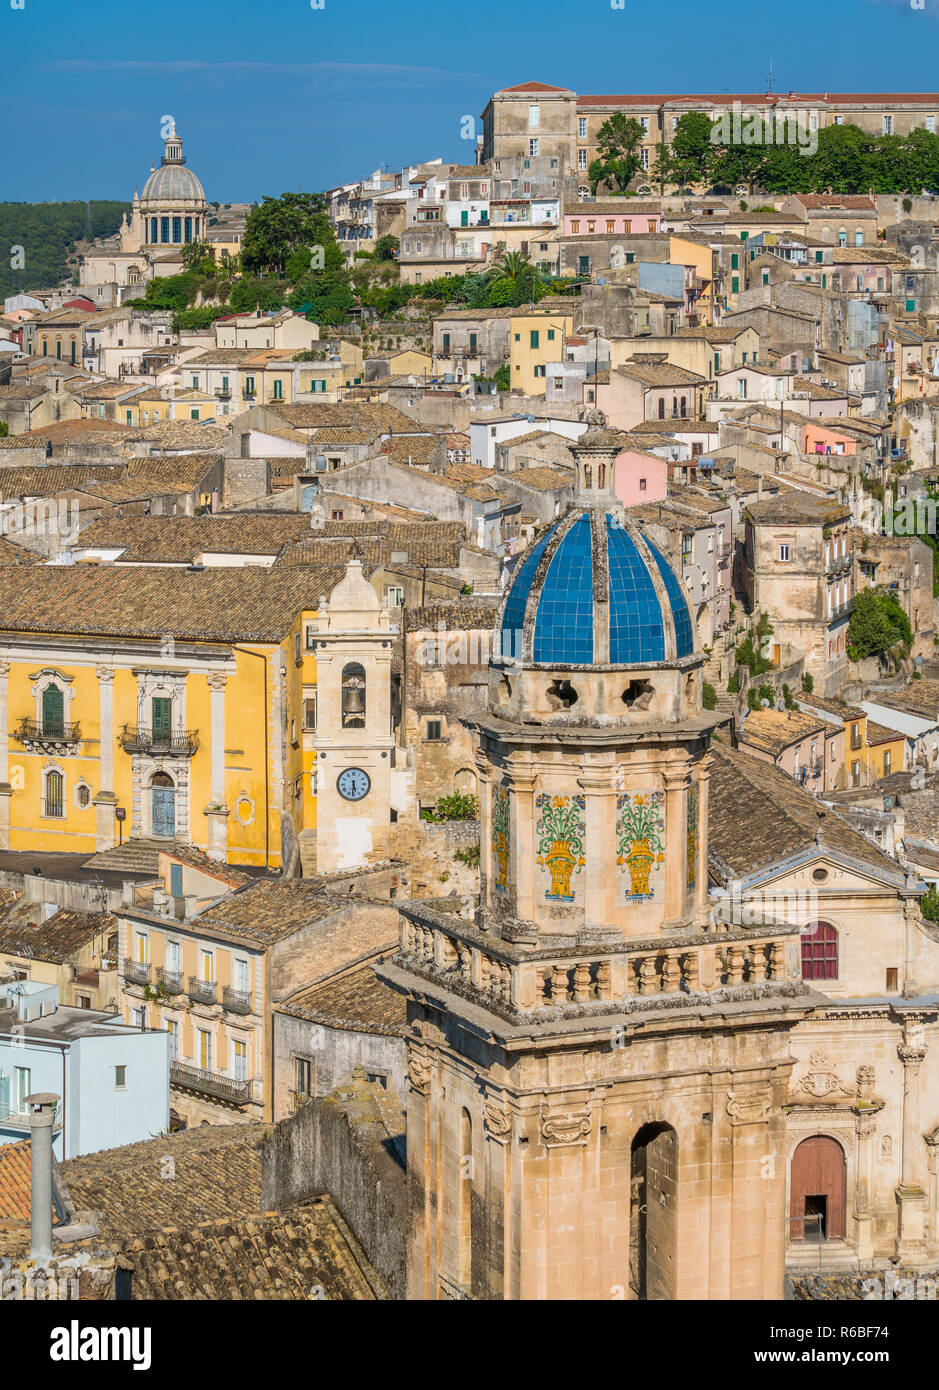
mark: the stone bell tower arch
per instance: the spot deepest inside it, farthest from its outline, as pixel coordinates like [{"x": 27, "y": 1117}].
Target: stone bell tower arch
[{"x": 593, "y": 1033}]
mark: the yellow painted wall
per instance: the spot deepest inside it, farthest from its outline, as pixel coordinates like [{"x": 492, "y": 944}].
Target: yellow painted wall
[
  {"x": 552, "y": 330},
  {"x": 75, "y": 830}
]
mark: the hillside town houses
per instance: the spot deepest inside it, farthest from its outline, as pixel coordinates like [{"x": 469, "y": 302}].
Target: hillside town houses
[{"x": 371, "y": 686}]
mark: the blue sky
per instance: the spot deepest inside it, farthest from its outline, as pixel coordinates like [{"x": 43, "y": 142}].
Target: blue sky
[{"x": 272, "y": 94}]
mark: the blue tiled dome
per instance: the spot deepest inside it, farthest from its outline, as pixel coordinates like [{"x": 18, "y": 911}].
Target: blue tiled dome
[{"x": 593, "y": 590}]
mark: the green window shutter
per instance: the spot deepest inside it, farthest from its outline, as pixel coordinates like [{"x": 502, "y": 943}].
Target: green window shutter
[
  {"x": 717, "y": 362},
  {"x": 734, "y": 261},
  {"x": 818, "y": 256},
  {"x": 53, "y": 708},
  {"x": 824, "y": 282},
  {"x": 911, "y": 306},
  {"x": 744, "y": 235},
  {"x": 550, "y": 335},
  {"x": 161, "y": 714},
  {"x": 533, "y": 338},
  {"x": 446, "y": 342},
  {"x": 734, "y": 284}
]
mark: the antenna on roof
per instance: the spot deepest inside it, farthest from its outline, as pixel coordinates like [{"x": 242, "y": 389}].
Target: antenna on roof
[{"x": 769, "y": 79}]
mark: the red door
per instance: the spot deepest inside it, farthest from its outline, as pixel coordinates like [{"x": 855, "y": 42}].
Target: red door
[{"x": 817, "y": 1188}]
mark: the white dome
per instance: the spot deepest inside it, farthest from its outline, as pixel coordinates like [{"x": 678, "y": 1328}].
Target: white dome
[{"x": 172, "y": 183}]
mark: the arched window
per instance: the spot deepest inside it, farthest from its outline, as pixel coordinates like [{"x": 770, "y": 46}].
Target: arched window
[
  {"x": 83, "y": 795},
  {"x": 684, "y": 407},
  {"x": 820, "y": 953},
  {"x": 588, "y": 476},
  {"x": 661, "y": 407},
  {"x": 353, "y": 696},
  {"x": 601, "y": 475}
]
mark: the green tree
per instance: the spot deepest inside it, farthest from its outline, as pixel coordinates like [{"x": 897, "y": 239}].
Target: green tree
[
  {"x": 691, "y": 152},
  {"x": 198, "y": 256},
  {"x": 618, "y": 142},
  {"x": 255, "y": 292},
  {"x": 387, "y": 247},
  {"x": 279, "y": 226},
  {"x": 877, "y": 624}
]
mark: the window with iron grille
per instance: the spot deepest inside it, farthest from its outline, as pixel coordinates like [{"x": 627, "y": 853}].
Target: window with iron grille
[{"x": 55, "y": 794}]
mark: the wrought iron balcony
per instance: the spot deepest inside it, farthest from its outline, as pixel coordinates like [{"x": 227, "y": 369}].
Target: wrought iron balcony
[
  {"x": 47, "y": 735},
  {"x": 134, "y": 738},
  {"x": 171, "y": 980},
  {"x": 202, "y": 991},
  {"x": 137, "y": 971},
  {"x": 236, "y": 1001},
  {"x": 210, "y": 1083},
  {"x": 223, "y": 393}
]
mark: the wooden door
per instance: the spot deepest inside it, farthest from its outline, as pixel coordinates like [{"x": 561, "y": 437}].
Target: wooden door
[{"x": 817, "y": 1182}]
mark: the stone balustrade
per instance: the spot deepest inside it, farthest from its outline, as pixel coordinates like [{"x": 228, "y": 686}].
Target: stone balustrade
[{"x": 509, "y": 979}]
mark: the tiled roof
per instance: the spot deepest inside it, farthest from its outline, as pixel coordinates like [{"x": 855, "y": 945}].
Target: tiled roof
[
  {"x": 356, "y": 1000},
  {"x": 356, "y": 414},
  {"x": 414, "y": 448},
  {"x": 457, "y": 617},
  {"x": 773, "y": 730},
  {"x": 658, "y": 373},
  {"x": 797, "y": 508},
  {"x": 247, "y": 603},
  {"x": 541, "y": 479},
  {"x": 305, "y": 1252},
  {"x": 921, "y": 698},
  {"x": 759, "y": 815},
  {"x": 15, "y": 1182},
  {"x": 182, "y": 538},
  {"x": 13, "y": 554},
  {"x": 270, "y": 909},
  {"x": 58, "y": 939},
  {"x": 216, "y": 1176}
]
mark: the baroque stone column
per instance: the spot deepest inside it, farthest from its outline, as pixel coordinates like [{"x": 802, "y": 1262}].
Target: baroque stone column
[
  {"x": 864, "y": 1194},
  {"x": 217, "y": 812},
  {"x": 6, "y": 791},
  {"x": 911, "y": 1197},
  {"x": 105, "y": 801}
]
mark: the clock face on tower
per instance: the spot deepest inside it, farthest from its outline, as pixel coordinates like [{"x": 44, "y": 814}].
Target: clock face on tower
[{"x": 353, "y": 784}]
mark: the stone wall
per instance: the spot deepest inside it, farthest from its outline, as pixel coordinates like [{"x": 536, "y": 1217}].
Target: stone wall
[
  {"x": 430, "y": 849},
  {"x": 341, "y": 1145}
]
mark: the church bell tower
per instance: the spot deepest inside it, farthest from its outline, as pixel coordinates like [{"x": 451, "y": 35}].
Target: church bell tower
[{"x": 596, "y": 1066}]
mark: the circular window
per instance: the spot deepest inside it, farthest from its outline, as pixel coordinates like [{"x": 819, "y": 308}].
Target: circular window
[{"x": 820, "y": 875}]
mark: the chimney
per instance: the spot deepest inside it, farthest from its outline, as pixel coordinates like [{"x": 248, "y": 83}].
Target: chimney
[
  {"x": 42, "y": 1113},
  {"x": 189, "y": 906},
  {"x": 158, "y": 899},
  {"x": 127, "y": 892}
]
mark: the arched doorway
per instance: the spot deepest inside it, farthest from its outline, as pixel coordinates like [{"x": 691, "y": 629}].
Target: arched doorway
[
  {"x": 817, "y": 1188},
  {"x": 653, "y": 1228},
  {"x": 163, "y": 794}
]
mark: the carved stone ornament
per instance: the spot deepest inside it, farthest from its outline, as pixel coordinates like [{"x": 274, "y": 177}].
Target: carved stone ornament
[
  {"x": 565, "y": 1126},
  {"x": 418, "y": 1072},
  {"x": 750, "y": 1107},
  {"x": 865, "y": 1081},
  {"x": 498, "y": 1120},
  {"x": 822, "y": 1079}
]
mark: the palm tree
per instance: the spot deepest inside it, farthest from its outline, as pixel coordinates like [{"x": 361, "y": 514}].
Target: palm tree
[{"x": 511, "y": 266}]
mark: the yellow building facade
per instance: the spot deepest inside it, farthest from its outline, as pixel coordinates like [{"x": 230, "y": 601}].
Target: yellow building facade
[
  {"x": 535, "y": 339},
  {"x": 189, "y": 714}
]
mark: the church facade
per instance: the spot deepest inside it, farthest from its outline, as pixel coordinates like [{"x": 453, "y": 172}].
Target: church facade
[{"x": 675, "y": 1051}]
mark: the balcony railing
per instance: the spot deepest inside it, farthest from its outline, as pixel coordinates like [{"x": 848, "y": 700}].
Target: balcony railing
[
  {"x": 171, "y": 980},
  {"x": 11, "y": 1118},
  {"x": 202, "y": 991},
  {"x": 236, "y": 1001},
  {"x": 135, "y": 738},
  {"x": 223, "y": 393},
  {"x": 137, "y": 971},
  {"x": 47, "y": 735},
  {"x": 210, "y": 1083}
]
